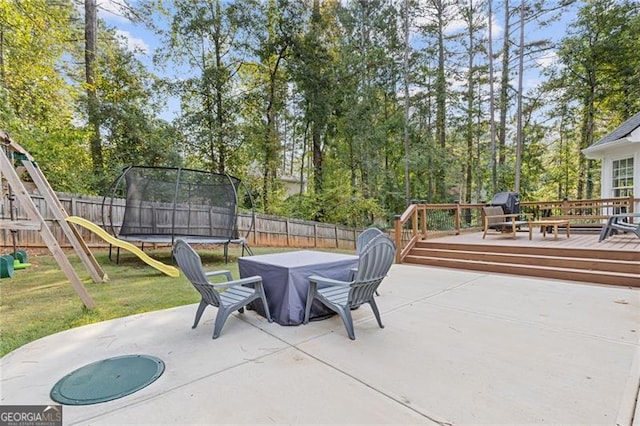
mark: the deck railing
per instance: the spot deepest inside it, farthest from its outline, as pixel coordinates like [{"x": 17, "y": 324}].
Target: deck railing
[{"x": 421, "y": 220}]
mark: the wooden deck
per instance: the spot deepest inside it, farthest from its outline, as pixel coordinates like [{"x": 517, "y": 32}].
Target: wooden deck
[
  {"x": 586, "y": 241},
  {"x": 615, "y": 261}
]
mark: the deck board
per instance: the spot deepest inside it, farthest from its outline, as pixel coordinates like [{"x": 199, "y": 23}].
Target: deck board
[{"x": 587, "y": 241}]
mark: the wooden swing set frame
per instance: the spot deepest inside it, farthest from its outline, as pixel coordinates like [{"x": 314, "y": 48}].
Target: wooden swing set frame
[{"x": 15, "y": 161}]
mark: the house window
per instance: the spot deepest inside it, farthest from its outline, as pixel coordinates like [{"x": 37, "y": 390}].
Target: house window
[{"x": 622, "y": 177}]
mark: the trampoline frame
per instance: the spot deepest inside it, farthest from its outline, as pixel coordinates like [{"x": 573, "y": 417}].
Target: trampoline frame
[{"x": 224, "y": 240}]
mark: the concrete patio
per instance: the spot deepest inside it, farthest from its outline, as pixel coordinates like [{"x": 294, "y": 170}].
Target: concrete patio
[{"x": 458, "y": 348}]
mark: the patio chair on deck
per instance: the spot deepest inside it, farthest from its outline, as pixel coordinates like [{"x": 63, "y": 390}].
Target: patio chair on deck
[
  {"x": 495, "y": 218},
  {"x": 342, "y": 296},
  {"x": 236, "y": 296},
  {"x": 616, "y": 224}
]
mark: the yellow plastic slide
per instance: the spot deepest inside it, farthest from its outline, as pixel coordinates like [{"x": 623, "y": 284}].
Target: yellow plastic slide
[{"x": 166, "y": 269}]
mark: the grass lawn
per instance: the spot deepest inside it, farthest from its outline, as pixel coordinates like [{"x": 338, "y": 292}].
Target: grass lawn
[{"x": 39, "y": 300}]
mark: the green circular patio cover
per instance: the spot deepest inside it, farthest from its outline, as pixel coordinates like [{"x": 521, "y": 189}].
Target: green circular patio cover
[{"x": 107, "y": 379}]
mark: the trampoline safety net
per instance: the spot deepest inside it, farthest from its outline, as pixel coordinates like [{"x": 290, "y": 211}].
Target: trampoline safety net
[{"x": 165, "y": 203}]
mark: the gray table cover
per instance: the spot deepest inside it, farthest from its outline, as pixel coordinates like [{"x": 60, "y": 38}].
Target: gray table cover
[{"x": 285, "y": 277}]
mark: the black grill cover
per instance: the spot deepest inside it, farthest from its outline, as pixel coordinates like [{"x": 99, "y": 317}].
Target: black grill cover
[{"x": 509, "y": 201}]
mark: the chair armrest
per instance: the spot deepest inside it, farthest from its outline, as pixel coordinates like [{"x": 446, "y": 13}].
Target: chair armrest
[
  {"x": 505, "y": 216},
  {"x": 635, "y": 214},
  {"x": 327, "y": 281},
  {"x": 224, "y": 272},
  {"x": 256, "y": 279}
]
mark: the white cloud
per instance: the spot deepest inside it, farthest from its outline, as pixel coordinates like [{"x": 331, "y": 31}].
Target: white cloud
[
  {"x": 131, "y": 43},
  {"x": 112, "y": 10},
  {"x": 548, "y": 60},
  {"x": 496, "y": 28},
  {"x": 455, "y": 25}
]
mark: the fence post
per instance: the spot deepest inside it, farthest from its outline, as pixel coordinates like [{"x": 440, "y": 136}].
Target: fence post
[
  {"x": 73, "y": 207},
  {"x": 255, "y": 233},
  {"x": 336, "y": 228},
  {"x": 315, "y": 235},
  {"x": 286, "y": 228}
]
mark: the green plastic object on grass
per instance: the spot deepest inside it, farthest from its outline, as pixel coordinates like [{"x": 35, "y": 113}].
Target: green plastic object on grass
[
  {"x": 6, "y": 266},
  {"x": 20, "y": 255},
  {"x": 19, "y": 265}
]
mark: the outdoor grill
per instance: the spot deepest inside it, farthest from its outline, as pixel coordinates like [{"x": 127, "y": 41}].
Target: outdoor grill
[{"x": 509, "y": 201}]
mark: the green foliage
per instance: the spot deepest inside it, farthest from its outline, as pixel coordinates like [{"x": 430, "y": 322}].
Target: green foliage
[
  {"x": 38, "y": 103},
  {"x": 132, "y": 134},
  {"x": 287, "y": 88},
  {"x": 598, "y": 58},
  {"x": 338, "y": 206}
]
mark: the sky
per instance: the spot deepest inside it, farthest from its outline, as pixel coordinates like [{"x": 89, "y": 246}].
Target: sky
[{"x": 138, "y": 39}]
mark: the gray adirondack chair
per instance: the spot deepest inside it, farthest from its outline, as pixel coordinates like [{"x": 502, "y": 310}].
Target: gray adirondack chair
[
  {"x": 235, "y": 296},
  {"x": 362, "y": 240},
  {"x": 343, "y": 296},
  {"x": 365, "y": 237},
  {"x": 616, "y": 223}
]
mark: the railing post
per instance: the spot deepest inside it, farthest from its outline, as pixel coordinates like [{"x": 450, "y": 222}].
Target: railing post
[
  {"x": 423, "y": 226},
  {"x": 457, "y": 219},
  {"x": 565, "y": 207},
  {"x": 414, "y": 222},
  {"x": 397, "y": 236}
]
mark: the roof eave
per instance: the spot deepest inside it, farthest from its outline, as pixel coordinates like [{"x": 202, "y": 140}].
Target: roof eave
[{"x": 596, "y": 152}]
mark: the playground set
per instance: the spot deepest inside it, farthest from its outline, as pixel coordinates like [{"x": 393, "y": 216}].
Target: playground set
[
  {"x": 15, "y": 162},
  {"x": 161, "y": 204}
]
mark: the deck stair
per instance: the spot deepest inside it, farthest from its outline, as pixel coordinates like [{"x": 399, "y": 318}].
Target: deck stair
[{"x": 586, "y": 265}]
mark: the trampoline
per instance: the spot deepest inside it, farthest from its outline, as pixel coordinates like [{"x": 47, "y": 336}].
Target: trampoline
[{"x": 165, "y": 203}]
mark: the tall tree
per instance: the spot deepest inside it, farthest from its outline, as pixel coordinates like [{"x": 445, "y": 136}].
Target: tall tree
[
  {"x": 281, "y": 21},
  {"x": 131, "y": 132},
  {"x": 599, "y": 40},
  {"x": 93, "y": 117},
  {"x": 472, "y": 43},
  {"x": 519, "y": 130},
  {"x": 206, "y": 42},
  {"x": 503, "y": 99},
  {"x": 407, "y": 103},
  {"x": 37, "y": 97},
  {"x": 492, "y": 115},
  {"x": 440, "y": 8}
]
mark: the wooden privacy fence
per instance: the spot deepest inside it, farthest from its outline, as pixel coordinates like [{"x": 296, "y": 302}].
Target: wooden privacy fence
[{"x": 267, "y": 231}]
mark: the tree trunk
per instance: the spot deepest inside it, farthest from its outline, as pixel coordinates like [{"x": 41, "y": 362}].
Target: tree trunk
[
  {"x": 90, "y": 36},
  {"x": 441, "y": 102},
  {"x": 492, "y": 109},
  {"x": 504, "y": 92},
  {"x": 219, "y": 87},
  {"x": 519, "y": 135},
  {"x": 470, "y": 116},
  {"x": 407, "y": 149}
]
